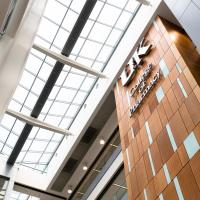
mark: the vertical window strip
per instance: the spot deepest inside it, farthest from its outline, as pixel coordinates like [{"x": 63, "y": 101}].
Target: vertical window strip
[
  {"x": 132, "y": 133},
  {"x": 156, "y": 25},
  {"x": 128, "y": 98},
  {"x": 117, "y": 86},
  {"x": 161, "y": 197},
  {"x": 128, "y": 159},
  {"x": 166, "y": 173},
  {"x": 148, "y": 132},
  {"x": 178, "y": 68},
  {"x": 178, "y": 189},
  {"x": 191, "y": 145},
  {"x": 182, "y": 88},
  {"x": 164, "y": 68},
  {"x": 160, "y": 94},
  {"x": 145, "y": 194},
  {"x": 151, "y": 162},
  {"x": 171, "y": 137}
]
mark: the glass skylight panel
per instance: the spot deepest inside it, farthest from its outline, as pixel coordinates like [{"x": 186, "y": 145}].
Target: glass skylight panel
[
  {"x": 118, "y": 3},
  {"x": 70, "y": 20},
  {"x": 131, "y": 6},
  {"x": 27, "y": 79},
  {"x": 73, "y": 80},
  {"x": 123, "y": 20},
  {"x": 38, "y": 146},
  {"x": 78, "y": 46},
  {"x": 98, "y": 38},
  {"x": 45, "y": 71},
  {"x": 103, "y": 55},
  {"x": 7, "y": 121},
  {"x": 109, "y": 15},
  {"x": 66, "y": 95},
  {"x": 55, "y": 11},
  {"x": 97, "y": 30},
  {"x": 87, "y": 84},
  {"x": 58, "y": 108},
  {"x": 31, "y": 100},
  {"x": 20, "y": 94},
  {"x": 80, "y": 97},
  {"x": 96, "y": 11},
  {"x": 65, "y": 123},
  {"x": 61, "y": 38},
  {"x": 87, "y": 27},
  {"x": 90, "y": 49},
  {"x": 33, "y": 64},
  {"x": 47, "y": 29}
]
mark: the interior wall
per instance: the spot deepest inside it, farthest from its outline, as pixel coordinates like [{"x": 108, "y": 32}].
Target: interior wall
[
  {"x": 160, "y": 142},
  {"x": 188, "y": 14}
]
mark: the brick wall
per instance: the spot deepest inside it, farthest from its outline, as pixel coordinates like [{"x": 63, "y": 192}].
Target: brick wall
[{"x": 160, "y": 142}]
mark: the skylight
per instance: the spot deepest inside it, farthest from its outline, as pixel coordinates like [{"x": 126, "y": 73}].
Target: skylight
[{"x": 96, "y": 43}]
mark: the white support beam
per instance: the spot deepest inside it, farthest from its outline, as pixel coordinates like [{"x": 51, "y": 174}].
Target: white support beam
[
  {"x": 35, "y": 122},
  {"x": 63, "y": 59}
]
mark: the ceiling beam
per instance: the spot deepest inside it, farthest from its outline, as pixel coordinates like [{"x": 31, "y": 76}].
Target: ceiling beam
[
  {"x": 67, "y": 61},
  {"x": 35, "y": 122}
]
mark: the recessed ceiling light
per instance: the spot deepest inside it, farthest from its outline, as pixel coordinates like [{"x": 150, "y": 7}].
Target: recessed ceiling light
[
  {"x": 85, "y": 167},
  {"x": 102, "y": 141},
  {"x": 69, "y": 191}
]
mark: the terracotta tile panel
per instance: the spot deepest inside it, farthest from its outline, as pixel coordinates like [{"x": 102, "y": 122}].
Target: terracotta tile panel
[
  {"x": 135, "y": 150},
  {"x": 182, "y": 63},
  {"x": 178, "y": 93},
  {"x": 124, "y": 125},
  {"x": 167, "y": 107},
  {"x": 195, "y": 165},
  {"x": 175, "y": 51},
  {"x": 134, "y": 184},
  {"x": 172, "y": 100},
  {"x": 164, "y": 146},
  {"x": 156, "y": 157},
  {"x": 126, "y": 141},
  {"x": 155, "y": 124},
  {"x": 155, "y": 52},
  {"x": 197, "y": 132},
  {"x": 193, "y": 107},
  {"x": 131, "y": 157},
  {"x": 162, "y": 114},
  {"x": 170, "y": 192},
  {"x": 146, "y": 111},
  {"x": 174, "y": 165},
  {"x": 151, "y": 193},
  {"x": 148, "y": 166},
  {"x": 186, "y": 118},
  {"x": 128, "y": 182},
  {"x": 185, "y": 83},
  {"x": 141, "y": 119},
  {"x": 190, "y": 78},
  {"x": 170, "y": 59},
  {"x": 173, "y": 74},
  {"x": 188, "y": 184},
  {"x": 168, "y": 38},
  {"x": 141, "y": 175},
  {"x": 144, "y": 138},
  {"x": 166, "y": 84},
  {"x": 153, "y": 102},
  {"x": 160, "y": 49},
  {"x": 160, "y": 182},
  {"x": 164, "y": 44},
  {"x": 160, "y": 25},
  {"x": 178, "y": 129},
  {"x": 139, "y": 144},
  {"x": 197, "y": 92},
  {"x": 183, "y": 155},
  {"x": 136, "y": 126},
  {"x": 125, "y": 163}
]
